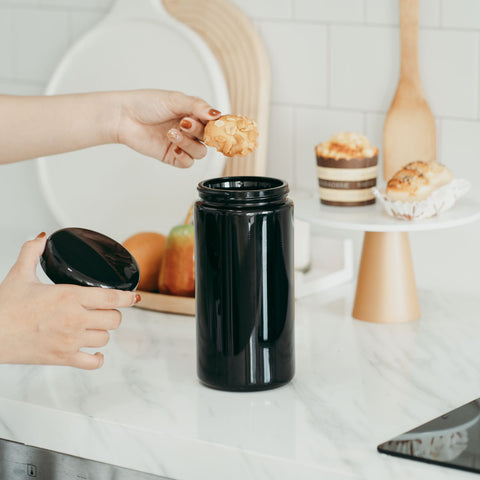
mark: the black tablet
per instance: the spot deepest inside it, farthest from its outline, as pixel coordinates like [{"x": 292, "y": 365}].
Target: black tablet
[{"x": 451, "y": 440}]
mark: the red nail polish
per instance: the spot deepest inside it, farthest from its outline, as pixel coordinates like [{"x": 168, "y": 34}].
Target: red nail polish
[
  {"x": 41, "y": 235},
  {"x": 186, "y": 124},
  {"x": 138, "y": 298},
  {"x": 178, "y": 150},
  {"x": 213, "y": 113}
]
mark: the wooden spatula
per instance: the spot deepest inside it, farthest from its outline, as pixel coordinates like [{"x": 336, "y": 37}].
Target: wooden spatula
[{"x": 409, "y": 131}]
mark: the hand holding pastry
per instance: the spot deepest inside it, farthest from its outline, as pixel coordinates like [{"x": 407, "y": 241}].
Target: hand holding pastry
[{"x": 232, "y": 135}]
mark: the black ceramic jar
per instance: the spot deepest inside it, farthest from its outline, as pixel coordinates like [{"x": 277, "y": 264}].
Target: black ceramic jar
[{"x": 244, "y": 283}]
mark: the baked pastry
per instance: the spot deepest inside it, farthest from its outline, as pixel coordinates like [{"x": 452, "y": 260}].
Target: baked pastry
[
  {"x": 416, "y": 181},
  {"x": 232, "y": 135},
  {"x": 347, "y": 170},
  {"x": 437, "y": 174}
]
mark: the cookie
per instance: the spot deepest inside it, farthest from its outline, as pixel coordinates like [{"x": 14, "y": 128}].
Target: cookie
[{"x": 232, "y": 135}]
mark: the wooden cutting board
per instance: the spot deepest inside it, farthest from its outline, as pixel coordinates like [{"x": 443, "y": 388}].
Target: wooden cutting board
[
  {"x": 409, "y": 131},
  {"x": 241, "y": 55}
]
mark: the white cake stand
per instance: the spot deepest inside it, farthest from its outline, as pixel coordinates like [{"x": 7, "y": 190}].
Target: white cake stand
[{"x": 386, "y": 290}]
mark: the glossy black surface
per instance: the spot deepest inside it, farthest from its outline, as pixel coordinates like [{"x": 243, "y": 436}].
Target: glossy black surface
[
  {"x": 451, "y": 440},
  {"x": 83, "y": 257},
  {"x": 244, "y": 283},
  {"x": 21, "y": 462}
]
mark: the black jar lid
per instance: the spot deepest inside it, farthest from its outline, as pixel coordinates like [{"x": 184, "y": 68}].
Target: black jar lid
[
  {"x": 243, "y": 190},
  {"x": 83, "y": 257}
]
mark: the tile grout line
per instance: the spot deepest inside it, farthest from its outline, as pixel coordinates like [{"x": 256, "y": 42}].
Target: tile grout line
[
  {"x": 78, "y": 8},
  {"x": 366, "y": 111},
  {"x": 329, "y": 65},
  {"x": 440, "y": 13},
  {"x": 477, "y": 71},
  {"x": 294, "y": 142},
  {"x": 51, "y": 8},
  {"x": 13, "y": 36}
]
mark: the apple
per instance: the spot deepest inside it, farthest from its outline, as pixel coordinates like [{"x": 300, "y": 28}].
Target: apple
[{"x": 177, "y": 272}]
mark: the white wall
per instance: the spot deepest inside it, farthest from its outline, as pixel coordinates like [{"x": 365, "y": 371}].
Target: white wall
[{"x": 334, "y": 65}]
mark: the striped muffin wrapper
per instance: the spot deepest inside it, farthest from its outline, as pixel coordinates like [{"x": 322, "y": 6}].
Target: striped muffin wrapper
[
  {"x": 338, "y": 185},
  {"x": 347, "y": 182}
]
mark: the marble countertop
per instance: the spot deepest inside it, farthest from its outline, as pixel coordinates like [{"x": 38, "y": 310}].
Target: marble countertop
[{"x": 356, "y": 385}]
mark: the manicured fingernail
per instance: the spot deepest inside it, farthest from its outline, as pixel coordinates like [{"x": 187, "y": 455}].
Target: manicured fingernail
[
  {"x": 41, "y": 235},
  {"x": 213, "y": 113},
  {"x": 137, "y": 298},
  {"x": 173, "y": 135},
  {"x": 186, "y": 124},
  {"x": 178, "y": 150}
]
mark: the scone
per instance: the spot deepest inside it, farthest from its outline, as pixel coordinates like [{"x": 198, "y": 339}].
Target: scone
[
  {"x": 232, "y": 135},
  {"x": 416, "y": 181},
  {"x": 347, "y": 170}
]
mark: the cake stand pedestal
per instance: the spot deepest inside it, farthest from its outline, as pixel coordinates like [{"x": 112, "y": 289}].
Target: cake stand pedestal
[{"x": 386, "y": 290}]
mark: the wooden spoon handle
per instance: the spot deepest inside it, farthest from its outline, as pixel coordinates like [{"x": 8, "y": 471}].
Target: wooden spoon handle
[
  {"x": 188, "y": 218},
  {"x": 409, "y": 40}
]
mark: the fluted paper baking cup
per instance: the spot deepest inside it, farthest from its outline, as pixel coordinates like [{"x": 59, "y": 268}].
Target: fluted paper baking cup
[{"x": 439, "y": 201}]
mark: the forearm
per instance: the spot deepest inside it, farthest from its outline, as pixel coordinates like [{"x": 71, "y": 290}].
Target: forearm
[{"x": 32, "y": 127}]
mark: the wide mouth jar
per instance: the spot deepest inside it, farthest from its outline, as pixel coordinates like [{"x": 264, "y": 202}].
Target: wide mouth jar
[{"x": 243, "y": 191}]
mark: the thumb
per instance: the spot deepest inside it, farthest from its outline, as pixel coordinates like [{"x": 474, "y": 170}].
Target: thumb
[{"x": 26, "y": 264}]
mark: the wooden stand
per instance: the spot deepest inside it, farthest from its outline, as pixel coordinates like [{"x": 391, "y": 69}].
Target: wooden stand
[{"x": 386, "y": 290}]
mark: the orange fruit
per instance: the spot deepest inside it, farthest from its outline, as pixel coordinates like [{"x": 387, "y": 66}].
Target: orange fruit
[{"x": 147, "y": 248}]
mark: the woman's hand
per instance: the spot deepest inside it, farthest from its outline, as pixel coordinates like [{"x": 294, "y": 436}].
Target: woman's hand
[
  {"x": 49, "y": 324},
  {"x": 165, "y": 125}
]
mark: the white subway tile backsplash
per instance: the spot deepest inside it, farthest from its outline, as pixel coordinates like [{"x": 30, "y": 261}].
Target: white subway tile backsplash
[
  {"x": 461, "y": 14},
  {"x": 350, "y": 11},
  {"x": 6, "y": 43},
  {"x": 14, "y": 87},
  {"x": 386, "y": 12},
  {"x": 101, "y": 5},
  {"x": 267, "y": 9},
  {"x": 281, "y": 143},
  {"x": 335, "y": 66},
  {"x": 459, "y": 146},
  {"x": 449, "y": 70},
  {"x": 364, "y": 72},
  {"x": 298, "y": 58},
  {"x": 41, "y": 39},
  {"x": 374, "y": 132},
  {"x": 313, "y": 126},
  {"x": 363, "y": 67},
  {"x": 20, "y": 3}
]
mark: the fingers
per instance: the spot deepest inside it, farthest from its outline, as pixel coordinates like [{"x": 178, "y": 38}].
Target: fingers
[
  {"x": 177, "y": 157},
  {"x": 87, "y": 361},
  {"x": 184, "y": 105},
  {"x": 106, "y": 298},
  {"x": 192, "y": 127},
  {"x": 193, "y": 148},
  {"x": 30, "y": 253},
  {"x": 102, "y": 319},
  {"x": 95, "y": 338}
]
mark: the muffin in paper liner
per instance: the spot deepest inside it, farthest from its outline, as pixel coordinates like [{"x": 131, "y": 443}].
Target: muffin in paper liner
[{"x": 439, "y": 201}]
